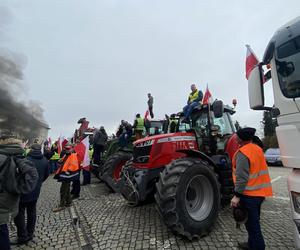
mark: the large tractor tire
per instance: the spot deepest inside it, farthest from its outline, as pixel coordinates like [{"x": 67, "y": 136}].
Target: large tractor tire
[
  {"x": 112, "y": 169},
  {"x": 188, "y": 197},
  {"x": 227, "y": 185}
]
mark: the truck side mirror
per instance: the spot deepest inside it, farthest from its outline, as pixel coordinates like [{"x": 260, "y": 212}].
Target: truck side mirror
[
  {"x": 255, "y": 88},
  {"x": 218, "y": 108}
]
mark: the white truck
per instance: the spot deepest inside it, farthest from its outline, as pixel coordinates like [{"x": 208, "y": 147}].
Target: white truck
[{"x": 282, "y": 56}]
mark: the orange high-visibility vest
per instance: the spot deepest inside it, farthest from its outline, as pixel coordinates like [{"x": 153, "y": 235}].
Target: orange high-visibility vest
[
  {"x": 71, "y": 164},
  {"x": 259, "y": 183}
]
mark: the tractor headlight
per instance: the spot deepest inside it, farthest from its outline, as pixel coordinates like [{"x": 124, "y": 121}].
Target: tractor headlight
[
  {"x": 142, "y": 159},
  {"x": 296, "y": 201}
]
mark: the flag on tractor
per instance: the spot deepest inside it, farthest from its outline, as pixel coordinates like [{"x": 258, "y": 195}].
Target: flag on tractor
[{"x": 207, "y": 96}]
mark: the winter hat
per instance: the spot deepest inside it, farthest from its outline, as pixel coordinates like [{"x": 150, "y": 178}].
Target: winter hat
[
  {"x": 246, "y": 134},
  {"x": 240, "y": 215},
  {"x": 36, "y": 146}
]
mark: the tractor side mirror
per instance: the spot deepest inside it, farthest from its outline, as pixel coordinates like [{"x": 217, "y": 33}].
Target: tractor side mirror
[{"x": 218, "y": 108}]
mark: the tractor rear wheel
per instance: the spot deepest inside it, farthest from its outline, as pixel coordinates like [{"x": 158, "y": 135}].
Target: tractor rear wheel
[
  {"x": 113, "y": 167},
  {"x": 188, "y": 197}
]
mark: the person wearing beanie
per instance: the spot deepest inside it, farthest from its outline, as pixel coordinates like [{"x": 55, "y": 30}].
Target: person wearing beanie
[
  {"x": 252, "y": 185},
  {"x": 27, "y": 204}
]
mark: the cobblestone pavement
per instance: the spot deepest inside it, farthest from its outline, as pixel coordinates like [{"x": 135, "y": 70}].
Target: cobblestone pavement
[{"x": 107, "y": 222}]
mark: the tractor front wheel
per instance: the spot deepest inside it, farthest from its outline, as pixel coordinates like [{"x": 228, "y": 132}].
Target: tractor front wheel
[
  {"x": 188, "y": 197},
  {"x": 113, "y": 167}
]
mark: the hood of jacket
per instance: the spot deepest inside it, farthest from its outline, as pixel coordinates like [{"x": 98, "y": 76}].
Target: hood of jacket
[
  {"x": 11, "y": 149},
  {"x": 35, "y": 154}
]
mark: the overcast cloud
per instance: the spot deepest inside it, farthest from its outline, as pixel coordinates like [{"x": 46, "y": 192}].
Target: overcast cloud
[{"x": 99, "y": 59}]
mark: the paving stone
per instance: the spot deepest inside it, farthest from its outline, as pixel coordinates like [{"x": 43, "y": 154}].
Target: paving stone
[{"x": 107, "y": 222}]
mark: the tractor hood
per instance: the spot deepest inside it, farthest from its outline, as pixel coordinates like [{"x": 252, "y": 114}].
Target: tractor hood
[{"x": 179, "y": 136}]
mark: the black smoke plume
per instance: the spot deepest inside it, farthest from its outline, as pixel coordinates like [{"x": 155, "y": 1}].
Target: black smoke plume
[{"x": 20, "y": 118}]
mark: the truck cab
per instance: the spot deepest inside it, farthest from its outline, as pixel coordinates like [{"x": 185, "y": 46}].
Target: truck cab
[{"x": 282, "y": 57}]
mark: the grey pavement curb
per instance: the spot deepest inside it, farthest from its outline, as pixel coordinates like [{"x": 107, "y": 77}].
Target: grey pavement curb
[{"x": 80, "y": 232}]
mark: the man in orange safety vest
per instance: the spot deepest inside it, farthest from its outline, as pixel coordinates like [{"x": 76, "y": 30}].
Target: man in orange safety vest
[
  {"x": 252, "y": 185},
  {"x": 68, "y": 171}
]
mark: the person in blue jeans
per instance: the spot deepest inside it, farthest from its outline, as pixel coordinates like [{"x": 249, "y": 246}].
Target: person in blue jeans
[
  {"x": 255, "y": 236},
  {"x": 194, "y": 99}
]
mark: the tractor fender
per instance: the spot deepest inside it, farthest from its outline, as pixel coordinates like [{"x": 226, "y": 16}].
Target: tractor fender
[{"x": 198, "y": 154}]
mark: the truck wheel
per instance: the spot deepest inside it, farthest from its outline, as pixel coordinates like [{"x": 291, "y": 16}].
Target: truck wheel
[
  {"x": 188, "y": 197},
  {"x": 113, "y": 167}
]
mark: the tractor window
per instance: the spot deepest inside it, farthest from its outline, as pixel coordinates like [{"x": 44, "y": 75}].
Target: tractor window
[
  {"x": 155, "y": 128},
  {"x": 184, "y": 127},
  {"x": 288, "y": 65},
  {"x": 224, "y": 122}
]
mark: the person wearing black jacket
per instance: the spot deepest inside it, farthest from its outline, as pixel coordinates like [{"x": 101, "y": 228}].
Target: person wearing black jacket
[
  {"x": 100, "y": 139},
  {"x": 8, "y": 201},
  {"x": 25, "y": 232}
]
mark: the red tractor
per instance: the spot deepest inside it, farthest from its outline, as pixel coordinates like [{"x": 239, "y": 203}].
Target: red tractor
[{"x": 189, "y": 173}]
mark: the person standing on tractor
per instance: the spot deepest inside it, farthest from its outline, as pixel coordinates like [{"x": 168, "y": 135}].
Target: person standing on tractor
[
  {"x": 252, "y": 185},
  {"x": 150, "y": 105},
  {"x": 139, "y": 126},
  {"x": 124, "y": 133},
  {"x": 68, "y": 171},
  {"x": 194, "y": 99},
  {"x": 100, "y": 139},
  {"x": 173, "y": 122}
]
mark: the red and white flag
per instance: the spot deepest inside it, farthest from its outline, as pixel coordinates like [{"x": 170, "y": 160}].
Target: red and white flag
[
  {"x": 82, "y": 150},
  {"x": 251, "y": 61},
  {"x": 62, "y": 141},
  {"x": 207, "y": 96}
]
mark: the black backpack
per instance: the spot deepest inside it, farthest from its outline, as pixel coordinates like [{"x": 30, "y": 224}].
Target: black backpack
[{"x": 17, "y": 175}]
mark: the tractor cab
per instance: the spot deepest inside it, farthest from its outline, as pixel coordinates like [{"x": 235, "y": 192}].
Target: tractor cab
[{"x": 213, "y": 127}]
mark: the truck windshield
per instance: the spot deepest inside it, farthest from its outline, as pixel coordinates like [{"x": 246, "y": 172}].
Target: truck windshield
[{"x": 288, "y": 67}]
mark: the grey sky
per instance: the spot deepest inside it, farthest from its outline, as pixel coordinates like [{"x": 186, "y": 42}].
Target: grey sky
[{"x": 99, "y": 59}]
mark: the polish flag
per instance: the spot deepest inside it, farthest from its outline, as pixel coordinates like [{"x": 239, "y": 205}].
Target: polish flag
[
  {"x": 207, "y": 96},
  {"x": 82, "y": 150},
  {"x": 62, "y": 141},
  {"x": 251, "y": 61}
]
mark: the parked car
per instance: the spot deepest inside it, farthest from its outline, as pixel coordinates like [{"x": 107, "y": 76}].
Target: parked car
[{"x": 272, "y": 156}]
